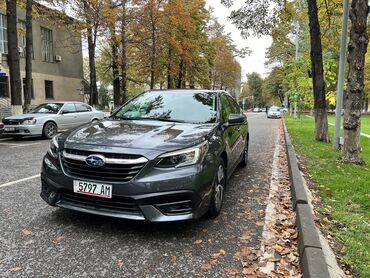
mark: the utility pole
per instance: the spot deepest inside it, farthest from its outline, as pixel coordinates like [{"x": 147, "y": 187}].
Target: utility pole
[{"x": 342, "y": 58}]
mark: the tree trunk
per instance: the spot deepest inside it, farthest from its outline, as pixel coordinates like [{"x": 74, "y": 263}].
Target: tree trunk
[
  {"x": 154, "y": 46},
  {"x": 123, "y": 52},
  {"x": 115, "y": 66},
  {"x": 29, "y": 46},
  {"x": 169, "y": 69},
  {"x": 351, "y": 150},
  {"x": 91, "y": 44},
  {"x": 321, "y": 120},
  {"x": 13, "y": 54},
  {"x": 91, "y": 50},
  {"x": 181, "y": 72}
]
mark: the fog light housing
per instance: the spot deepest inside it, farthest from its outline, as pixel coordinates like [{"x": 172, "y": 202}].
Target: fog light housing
[
  {"x": 182, "y": 207},
  {"x": 49, "y": 164}
]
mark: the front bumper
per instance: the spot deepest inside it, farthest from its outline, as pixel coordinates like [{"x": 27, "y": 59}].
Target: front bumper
[
  {"x": 276, "y": 116},
  {"x": 155, "y": 197},
  {"x": 23, "y": 130}
]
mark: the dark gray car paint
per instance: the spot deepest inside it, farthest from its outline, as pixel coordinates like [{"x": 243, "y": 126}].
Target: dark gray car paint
[{"x": 150, "y": 139}]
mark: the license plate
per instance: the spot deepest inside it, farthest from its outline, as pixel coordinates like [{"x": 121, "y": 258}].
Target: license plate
[
  {"x": 92, "y": 189},
  {"x": 10, "y": 129}
]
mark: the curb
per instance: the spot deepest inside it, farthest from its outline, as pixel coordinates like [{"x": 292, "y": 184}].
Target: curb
[{"x": 310, "y": 251}]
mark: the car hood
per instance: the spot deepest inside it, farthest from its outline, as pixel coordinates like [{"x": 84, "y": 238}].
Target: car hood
[
  {"x": 30, "y": 115},
  {"x": 138, "y": 134}
]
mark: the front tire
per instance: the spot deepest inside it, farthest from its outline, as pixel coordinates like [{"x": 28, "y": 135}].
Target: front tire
[
  {"x": 49, "y": 130},
  {"x": 218, "y": 191}
]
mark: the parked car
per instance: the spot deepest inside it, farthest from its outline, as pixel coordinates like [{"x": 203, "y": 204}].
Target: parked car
[
  {"x": 274, "y": 112},
  {"x": 49, "y": 118},
  {"x": 1, "y": 128},
  {"x": 164, "y": 156},
  {"x": 283, "y": 109},
  {"x": 257, "y": 109}
]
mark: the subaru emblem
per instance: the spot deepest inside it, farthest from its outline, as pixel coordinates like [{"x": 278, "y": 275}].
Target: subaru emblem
[{"x": 95, "y": 160}]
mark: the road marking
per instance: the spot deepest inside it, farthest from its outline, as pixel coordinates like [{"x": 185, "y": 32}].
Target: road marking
[
  {"x": 18, "y": 181},
  {"x": 14, "y": 145},
  {"x": 362, "y": 134},
  {"x": 270, "y": 212}
]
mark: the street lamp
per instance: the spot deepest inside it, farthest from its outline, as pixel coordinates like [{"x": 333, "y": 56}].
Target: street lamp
[{"x": 342, "y": 58}]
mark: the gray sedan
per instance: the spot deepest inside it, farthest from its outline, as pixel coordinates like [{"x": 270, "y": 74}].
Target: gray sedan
[{"x": 49, "y": 118}]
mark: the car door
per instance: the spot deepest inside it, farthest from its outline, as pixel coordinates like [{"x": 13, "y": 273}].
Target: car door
[
  {"x": 241, "y": 130},
  {"x": 68, "y": 117},
  {"x": 84, "y": 113},
  {"x": 231, "y": 133}
]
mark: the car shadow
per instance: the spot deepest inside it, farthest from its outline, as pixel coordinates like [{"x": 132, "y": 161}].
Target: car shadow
[{"x": 89, "y": 223}]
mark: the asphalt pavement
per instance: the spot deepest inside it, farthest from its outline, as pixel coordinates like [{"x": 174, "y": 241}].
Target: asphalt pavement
[{"x": 37, "y": 240}]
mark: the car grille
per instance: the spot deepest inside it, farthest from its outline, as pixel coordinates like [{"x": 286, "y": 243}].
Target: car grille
[
  {"x": 117, "y": 204},
  {"x": 12, "y": 121},
  {"x": 110, "y": 172}
]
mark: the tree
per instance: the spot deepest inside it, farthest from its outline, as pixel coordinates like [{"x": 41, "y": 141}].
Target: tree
[
  {"x": 13, "y": 54},
  {"x": 254, "y": 84},
  {"x": 355, "y": 88},
  {"x": 256, "y": 16},
  {"x": 112, "y": 25},
  {"x": 321, "y": 119},
  {"x": 29, "y": 47}
]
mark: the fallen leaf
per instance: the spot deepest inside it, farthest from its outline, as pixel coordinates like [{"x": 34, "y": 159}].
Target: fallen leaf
[
  {"x": 58, "y": 239},
  {"x": 27, "y": 232},
  {"x": 248, "y": 271},
  {"x": 173, "y": 259},
  {"x": 15, "y": 269},
  {"x": 279, "y": 248},
  {"x": 120, "y": 264},
  {"x": 198, "y": 241},
  {"x": 206, "y": 266}
]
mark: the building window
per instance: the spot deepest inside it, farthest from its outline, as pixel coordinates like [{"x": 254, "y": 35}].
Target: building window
[
  {"x": 47, "y": 44},
  {"x": 3, "y": 35},
  {"x": 24, "y": 88},
  {"x": 21, "y": 26},
  {"x": 4, "y": 86},
  {"x": 49, "y": 91}
]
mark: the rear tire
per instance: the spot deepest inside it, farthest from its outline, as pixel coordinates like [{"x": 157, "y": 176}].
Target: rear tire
[
  {"x": 49, "y": 130},
  {"x": 219, "y": 185}
]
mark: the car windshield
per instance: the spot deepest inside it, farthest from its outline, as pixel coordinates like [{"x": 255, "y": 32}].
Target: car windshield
[
  {"x": 48, "y": 108},
  {"x": 175, "y": 106},
  {"x": 274, "y": 109}
]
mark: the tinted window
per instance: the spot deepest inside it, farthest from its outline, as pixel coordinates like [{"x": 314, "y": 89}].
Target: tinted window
[
  {"x": 4, "y": 87},
  {"x": 233, "y": 105},
  {"x": 69, "y": 108},
  {"x": 82, "y": 107},
  {"x": 228, "y": 106},
  {"x": 48, "y": 108},
  {"x": 180, "y": 106}
]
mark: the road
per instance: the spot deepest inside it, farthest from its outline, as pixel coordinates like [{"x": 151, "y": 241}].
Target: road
[{"x": 37, "y": 240}]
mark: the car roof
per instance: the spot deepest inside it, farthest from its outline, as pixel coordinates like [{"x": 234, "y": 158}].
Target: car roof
[
  {"x": 63, "y": 102},
  {"x": 187, "y": 91}
]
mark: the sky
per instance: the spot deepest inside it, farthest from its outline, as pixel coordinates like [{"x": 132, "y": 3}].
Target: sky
[{"x": 255, "y": 61}]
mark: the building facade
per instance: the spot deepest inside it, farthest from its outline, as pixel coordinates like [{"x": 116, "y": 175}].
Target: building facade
[{"x": 57, "y": 65}]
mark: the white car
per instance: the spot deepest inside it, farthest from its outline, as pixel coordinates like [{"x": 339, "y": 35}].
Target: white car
[
  {"x": 274, "y": 112},
  {"x": 256, "y": 109},
  {"x": 49, "y": 118}
]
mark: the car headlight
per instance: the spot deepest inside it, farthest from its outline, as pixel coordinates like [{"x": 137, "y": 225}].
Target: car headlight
[
  {"x": 53, "y": 147},
  {"x": 181, "y": 158},
  {"x": 29, "y": 122}
]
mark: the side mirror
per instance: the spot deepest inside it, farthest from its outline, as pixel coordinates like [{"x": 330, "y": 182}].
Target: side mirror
[
  {"x": 64, "y": 112},
  {"x": 235, "y": 119}
]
